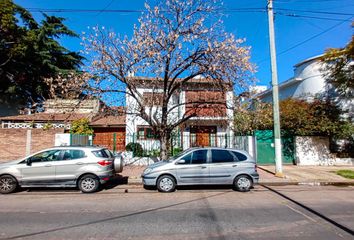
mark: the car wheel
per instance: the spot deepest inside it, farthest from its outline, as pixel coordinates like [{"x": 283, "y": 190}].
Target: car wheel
[
  {"x": 89, "y": 183},
  {"x": 243, "y": 183},
  {"x": 166, "y": 183},
  {"x": 8, "y": 184}
]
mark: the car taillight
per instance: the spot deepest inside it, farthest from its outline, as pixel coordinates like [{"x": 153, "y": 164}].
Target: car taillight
[
  {"x": 105, "y": 163},
  {"x": 255, "y": 167}
]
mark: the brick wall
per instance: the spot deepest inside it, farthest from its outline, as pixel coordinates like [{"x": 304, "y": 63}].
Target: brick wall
[
  {"x": 13, "y": 142},
  {"x": 196, "y": 106}
]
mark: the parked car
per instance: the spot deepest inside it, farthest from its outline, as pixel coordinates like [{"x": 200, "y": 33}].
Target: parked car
[
  {"x": 201, "y": 166},
  {"x": 83, "y": 167}
]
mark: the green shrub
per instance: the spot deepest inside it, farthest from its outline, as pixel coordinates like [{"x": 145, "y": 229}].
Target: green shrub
[
  {"x": 176, "y": 151},
  {"x": 136, "y": 148},
  {"x": 81, "y": 126}
]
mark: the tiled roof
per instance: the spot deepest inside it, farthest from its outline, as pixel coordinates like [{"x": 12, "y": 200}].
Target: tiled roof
[
  {"x": 109, "y": 121},
  {"x": 40, "y": 117}
]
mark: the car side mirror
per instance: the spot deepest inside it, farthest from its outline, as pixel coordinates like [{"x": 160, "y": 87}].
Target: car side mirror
[
  {"x": 28, "y": 161},
  {"x": 182, "y": 161}
]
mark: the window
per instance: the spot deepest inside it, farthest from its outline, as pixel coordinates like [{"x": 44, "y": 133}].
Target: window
[
  {"x": 221, "y": 156},
  {"x": 240, "y": 156},
  {"x": 52, "y": 155},
  {"x": 199, "y": 156},
  {"x": 101, "y": 154},
  {"x": 187, "y": 158},
  {"x": 73, "y": 154},
  {"x": 152, "y": 99},
  {"x": 146, "y": 133}
]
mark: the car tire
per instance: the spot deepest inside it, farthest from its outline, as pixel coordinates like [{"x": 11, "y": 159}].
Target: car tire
[
  {"x": 166, "y": 183},
  {"x": 8, "y": 184},
  {"x": 89, "y": 183},
  {"x": 243, "y": 183}
]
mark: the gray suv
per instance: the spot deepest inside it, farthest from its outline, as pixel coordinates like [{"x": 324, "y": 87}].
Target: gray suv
[
  {"x": 201, "y": 166},
  {"x": 83, "y": 167}
]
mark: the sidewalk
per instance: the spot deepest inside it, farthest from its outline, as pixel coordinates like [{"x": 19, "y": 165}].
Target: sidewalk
[
  {"x": 312, "y": 175},
  {"x": 294, "y": 175}
]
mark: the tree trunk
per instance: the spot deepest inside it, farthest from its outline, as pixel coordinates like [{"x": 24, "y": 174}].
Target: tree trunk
[{"x": 165, "y": 147}]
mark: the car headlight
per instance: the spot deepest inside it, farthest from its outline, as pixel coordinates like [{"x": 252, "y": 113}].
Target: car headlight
[{"x": 148, "y": 170}]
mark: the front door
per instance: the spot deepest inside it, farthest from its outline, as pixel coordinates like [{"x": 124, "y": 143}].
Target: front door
[
  {"x": 203, "y": 136},
  {"x": 195, "y": 170},
  {"x": 41, "y": 171}
]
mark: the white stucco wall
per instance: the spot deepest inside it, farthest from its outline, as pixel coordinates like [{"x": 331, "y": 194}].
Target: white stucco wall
[
  {"x": 313, "y": 150},
  {"x": 306, "y": 83}
]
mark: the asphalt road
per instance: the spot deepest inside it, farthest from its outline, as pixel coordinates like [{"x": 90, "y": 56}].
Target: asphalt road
[{"x": 184, "y": 214}]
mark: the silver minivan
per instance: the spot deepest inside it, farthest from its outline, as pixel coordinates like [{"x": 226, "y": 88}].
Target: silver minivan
[
  {"x": 83, "y": 167},
  {"x": 203, "y": 166}
]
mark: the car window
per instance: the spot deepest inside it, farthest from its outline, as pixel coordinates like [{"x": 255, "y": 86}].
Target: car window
[
  {"x": 240, "y": 156},
  {"x": 101, "y": 153},
  {"x": 109, "y": 153},
  {"x": 73, "y": 154},
  {"x": 221, "y": 156},
  {"x": 51, "y": 155},
  {"x": 187, "y": 158},
  {"x": 199, "y": 156}
]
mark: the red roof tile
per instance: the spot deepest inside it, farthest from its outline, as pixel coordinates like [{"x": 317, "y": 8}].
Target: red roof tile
[
  {"x": 109, "y": 121},
  {"x": 44, "y": 117}
]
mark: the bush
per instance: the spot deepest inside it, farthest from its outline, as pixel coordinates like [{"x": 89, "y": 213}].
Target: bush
[
  {"x": 136, "y": 148},
  {"x": 81, "y": 126},
  {"x": 176, "y": 151}
]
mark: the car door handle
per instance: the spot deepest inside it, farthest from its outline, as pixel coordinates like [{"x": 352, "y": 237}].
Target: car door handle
[
  {"x": 79, "y": 163},
  {"x": 234, "y": 165},
  {"x": 204, "y": 167},
  {"x": 48, "y": 165}
]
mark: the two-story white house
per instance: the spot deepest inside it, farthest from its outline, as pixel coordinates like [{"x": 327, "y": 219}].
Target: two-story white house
[{"x": 211, "y": 124}]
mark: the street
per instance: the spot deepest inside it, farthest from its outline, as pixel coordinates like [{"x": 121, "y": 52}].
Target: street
[{"x": 185, "y": 214}]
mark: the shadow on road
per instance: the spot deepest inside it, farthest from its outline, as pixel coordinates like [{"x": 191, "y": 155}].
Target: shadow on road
[
  {"x": 327, "y": 219},
  {"x": 113, "y": 218}
]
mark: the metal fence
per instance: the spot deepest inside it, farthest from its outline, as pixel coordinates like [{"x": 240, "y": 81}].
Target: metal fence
[
  {"x": 150, "y": 146},
  {"x": 179, "y": 142}
]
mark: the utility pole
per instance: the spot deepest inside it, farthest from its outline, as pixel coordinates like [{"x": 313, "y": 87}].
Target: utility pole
[{"x": 277, "y": 141}]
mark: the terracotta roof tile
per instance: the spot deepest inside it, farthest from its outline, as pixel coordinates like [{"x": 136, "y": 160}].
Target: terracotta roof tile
[
  {"x": 44, "y": 117},
  {"x": 109, "y": 121}
]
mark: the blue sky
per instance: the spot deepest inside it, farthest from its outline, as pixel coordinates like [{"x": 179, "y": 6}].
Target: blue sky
[{"x": 326, "y": 30}]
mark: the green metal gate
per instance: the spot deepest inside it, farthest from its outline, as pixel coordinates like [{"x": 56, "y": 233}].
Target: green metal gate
[{"x": 265, "y": 148}]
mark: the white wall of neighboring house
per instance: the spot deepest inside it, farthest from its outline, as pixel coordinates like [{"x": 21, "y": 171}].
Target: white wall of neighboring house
[{"x": 306, "y": 83}]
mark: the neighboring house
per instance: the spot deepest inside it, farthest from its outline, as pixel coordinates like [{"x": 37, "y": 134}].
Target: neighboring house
[
  {"x": 307, "y": 82},
  {"x": 57, "y": 114},
  {"x": 109, "y": 130},
  {"x": 211, "y": 125}
]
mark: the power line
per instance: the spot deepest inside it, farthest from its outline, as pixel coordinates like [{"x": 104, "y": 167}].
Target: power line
[
  {"x": 313, "y": 17},
  {"x": 314, "y": 36},
  {"x": 308, "y": 39},
  {"x": 318, "y": 12}
]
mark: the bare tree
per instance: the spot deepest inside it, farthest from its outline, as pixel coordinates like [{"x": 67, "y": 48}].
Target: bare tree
[{"x": 175, "y": 42}]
